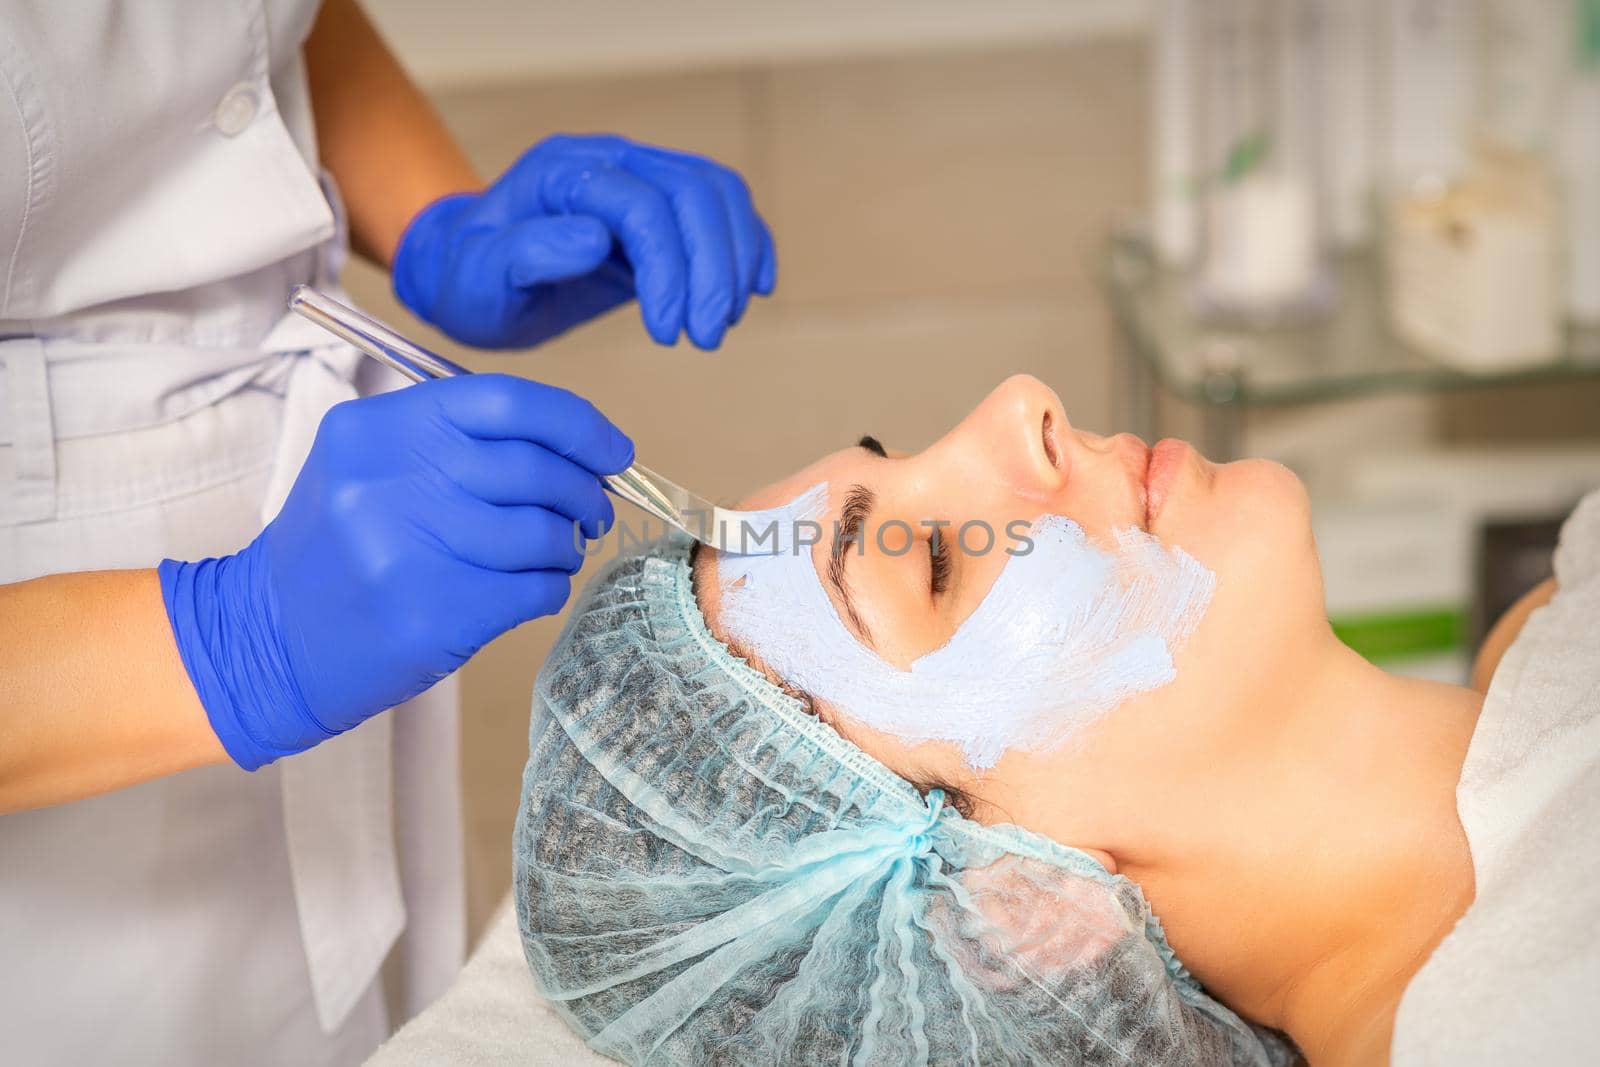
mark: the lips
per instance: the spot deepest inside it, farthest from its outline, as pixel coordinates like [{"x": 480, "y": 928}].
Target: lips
[{"x": 1167, "y": 460}]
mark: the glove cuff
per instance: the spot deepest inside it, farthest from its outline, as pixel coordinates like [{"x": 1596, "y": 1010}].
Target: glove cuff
[
  {"x": 419, "y": 259},
  {"x": 233, "y": 653}
]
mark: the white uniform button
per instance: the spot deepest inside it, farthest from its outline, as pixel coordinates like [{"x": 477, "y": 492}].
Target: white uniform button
[{"x": 237, "y": 107}]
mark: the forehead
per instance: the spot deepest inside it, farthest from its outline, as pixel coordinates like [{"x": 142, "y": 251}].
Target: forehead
[
  {"x": 835, "y": 466},
  {"x": 835, "y": 469}
]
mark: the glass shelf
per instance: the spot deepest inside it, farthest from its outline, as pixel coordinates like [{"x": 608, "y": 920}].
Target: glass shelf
[{"x": 1348, "y": 351}]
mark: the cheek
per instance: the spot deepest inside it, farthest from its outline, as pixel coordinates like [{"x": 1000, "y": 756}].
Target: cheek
[
  {"x": 1271, "y": 544},
  {"x": 1255, "y": 529},
  {"x": 1269, "y": 584},
  {"x": 1098, "y": 498},
  {"x": 928, "y": 763}
]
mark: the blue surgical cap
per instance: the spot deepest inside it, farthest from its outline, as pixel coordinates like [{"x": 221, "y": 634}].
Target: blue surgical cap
[{"x": 706, "y": 874}]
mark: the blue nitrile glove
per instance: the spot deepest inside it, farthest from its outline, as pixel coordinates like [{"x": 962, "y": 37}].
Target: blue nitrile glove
[
  {"x": 577, "y": 226},
  {"x": 424, "y": 523}
]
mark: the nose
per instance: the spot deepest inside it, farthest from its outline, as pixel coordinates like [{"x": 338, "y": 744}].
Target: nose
[{"x": 1018, "y": 435}]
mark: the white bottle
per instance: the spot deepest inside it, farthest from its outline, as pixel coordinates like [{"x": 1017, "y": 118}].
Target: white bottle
[{"x": 1262, "y": 104}]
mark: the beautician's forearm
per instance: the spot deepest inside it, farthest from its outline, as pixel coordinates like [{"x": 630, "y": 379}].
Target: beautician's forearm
[
  {"x": 377, "y": 134},
  {"x": 93, "y": 693}
]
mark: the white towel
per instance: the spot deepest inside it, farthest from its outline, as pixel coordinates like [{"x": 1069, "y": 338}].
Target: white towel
[
  {"x": 492, "y": 1015},
  {"x": 1518, "y": 979}
]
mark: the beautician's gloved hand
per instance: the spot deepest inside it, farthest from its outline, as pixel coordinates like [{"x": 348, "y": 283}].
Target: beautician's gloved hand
[
  {"x": 424, "y": 523},
  {"x": 579, "y": 225}
]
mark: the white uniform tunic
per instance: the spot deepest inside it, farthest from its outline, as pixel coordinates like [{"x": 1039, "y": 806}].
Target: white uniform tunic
[{"x": 159, "y": 194}]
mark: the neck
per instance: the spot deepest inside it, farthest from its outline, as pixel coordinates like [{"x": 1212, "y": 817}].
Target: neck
[
  {"x": 1355, "y": 857},
  {"x": 1386, "y": 868}
]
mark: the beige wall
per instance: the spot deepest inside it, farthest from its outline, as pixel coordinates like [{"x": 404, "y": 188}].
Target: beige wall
[
  {"x": 936, "y": 220},
  {"x": 469, "y": 42}
]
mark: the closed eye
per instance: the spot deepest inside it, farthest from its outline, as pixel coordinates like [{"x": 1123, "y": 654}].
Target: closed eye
[{"x": 939, "y": 562}]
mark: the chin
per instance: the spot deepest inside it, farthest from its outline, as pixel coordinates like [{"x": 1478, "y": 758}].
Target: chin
[{"x": 1253, "y": 504}]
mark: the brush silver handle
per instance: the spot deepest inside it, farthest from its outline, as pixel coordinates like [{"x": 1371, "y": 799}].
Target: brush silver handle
[{"x": 637, "y": 485}]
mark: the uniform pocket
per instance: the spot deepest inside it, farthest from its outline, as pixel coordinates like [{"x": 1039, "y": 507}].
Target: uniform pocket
[
  {"x": 219, "y": 443},
  {"x": 187, "y": 489}
]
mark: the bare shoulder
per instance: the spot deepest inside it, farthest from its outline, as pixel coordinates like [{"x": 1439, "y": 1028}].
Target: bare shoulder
[{"x": 1506, "y": 630}]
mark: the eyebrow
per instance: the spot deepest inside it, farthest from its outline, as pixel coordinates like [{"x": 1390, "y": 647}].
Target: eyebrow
[
  {"x": 852, "y": 520},
  {"x": 858, "y": 503}
]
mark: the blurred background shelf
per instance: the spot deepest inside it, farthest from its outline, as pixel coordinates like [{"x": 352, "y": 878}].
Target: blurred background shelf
[{"x": 1225, "y": 368}]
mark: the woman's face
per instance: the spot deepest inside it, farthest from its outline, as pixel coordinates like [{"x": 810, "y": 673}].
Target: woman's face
[{"x": 1014, "y": 459}]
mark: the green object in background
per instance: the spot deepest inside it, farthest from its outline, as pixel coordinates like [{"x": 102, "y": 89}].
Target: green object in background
[
  {"x": 1588, "y": 34},
  {"x": 1404, "y": 634},
  {"x": 1246, "y": 156}
]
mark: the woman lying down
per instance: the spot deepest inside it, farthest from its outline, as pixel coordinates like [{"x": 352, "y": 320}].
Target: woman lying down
[{"x": 1036, "y": 747}]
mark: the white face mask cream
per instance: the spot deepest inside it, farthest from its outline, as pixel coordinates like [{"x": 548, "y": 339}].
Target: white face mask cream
[{"x": 1068, "y": 631}]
